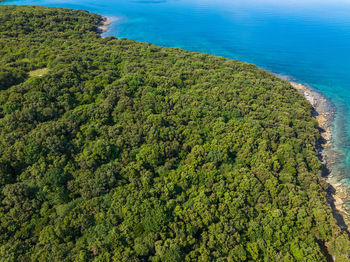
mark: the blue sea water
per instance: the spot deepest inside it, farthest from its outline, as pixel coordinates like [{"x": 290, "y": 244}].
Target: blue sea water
[{"x": 308, "y": 40}]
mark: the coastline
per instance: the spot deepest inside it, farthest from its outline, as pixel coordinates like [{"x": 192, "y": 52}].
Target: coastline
[
  {"x": 103, "y": 26},
  {"x": 324, "y": 114}
]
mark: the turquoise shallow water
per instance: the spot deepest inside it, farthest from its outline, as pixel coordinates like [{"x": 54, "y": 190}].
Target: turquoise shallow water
[{"x": 309, "y": 42}]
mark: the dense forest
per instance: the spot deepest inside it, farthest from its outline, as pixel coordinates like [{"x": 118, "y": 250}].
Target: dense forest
[{"x": 116, "y": 150}]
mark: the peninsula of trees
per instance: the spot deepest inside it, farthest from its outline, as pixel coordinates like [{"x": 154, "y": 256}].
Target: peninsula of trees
[{"x": 116, "y": 150}]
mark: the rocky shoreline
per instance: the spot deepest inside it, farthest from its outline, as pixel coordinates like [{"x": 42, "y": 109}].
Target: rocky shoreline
[
  {"x": 324, "y": 114},
  {"x": 104, "y": 24}
]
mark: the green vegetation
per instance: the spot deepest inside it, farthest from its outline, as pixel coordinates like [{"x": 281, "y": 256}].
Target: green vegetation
[
  {"x": 126, "y": 151},
  {"x": 38, "y": 72}
]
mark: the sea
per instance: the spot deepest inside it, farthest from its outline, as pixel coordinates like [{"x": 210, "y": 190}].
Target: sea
[{"x": 306, "y": 40}]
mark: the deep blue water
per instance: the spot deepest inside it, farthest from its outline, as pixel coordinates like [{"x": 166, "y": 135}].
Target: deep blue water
[{"x": 309, "y": 42}]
